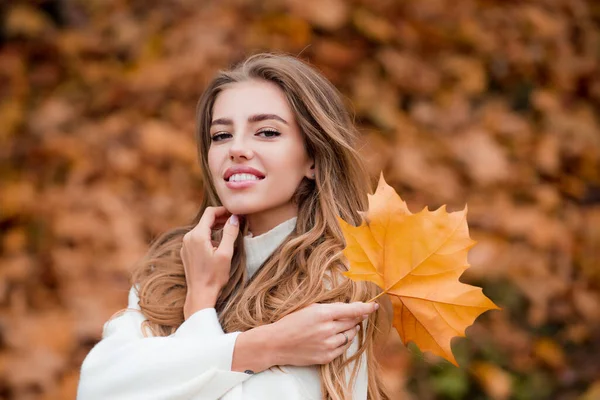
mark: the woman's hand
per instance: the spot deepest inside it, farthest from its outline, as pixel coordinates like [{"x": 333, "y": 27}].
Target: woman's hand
[
  {"x": 317, "y": 334},
  {"x": 314, "y": 335},
  {"x": 207, "y": 267}
]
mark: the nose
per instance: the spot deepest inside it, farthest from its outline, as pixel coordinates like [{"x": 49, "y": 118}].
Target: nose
[{"x": 239, "y": 148}]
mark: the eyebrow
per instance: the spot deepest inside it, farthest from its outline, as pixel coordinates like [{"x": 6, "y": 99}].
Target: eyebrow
[{"x": 252, "y": 118}]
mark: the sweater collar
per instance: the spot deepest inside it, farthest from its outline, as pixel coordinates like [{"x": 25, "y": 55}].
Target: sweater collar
[{"x": 259, "y": 248}]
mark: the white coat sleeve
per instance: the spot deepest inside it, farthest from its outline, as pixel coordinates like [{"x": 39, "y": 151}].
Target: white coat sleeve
[
  {"x": 296, "y": 383},
  {"x": 194, "y": 362}
]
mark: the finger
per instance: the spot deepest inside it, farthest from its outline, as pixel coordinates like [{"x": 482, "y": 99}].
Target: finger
[
  {"x": 351, "y": 310},
  {"x": 230, "y": 233},
  {"x": 356, "y": 320},
  {"x": 203, "y": 229},
  {"x": 220, "y": 221},
  {"x": 350, "y": 333},
  {"x": 344, "y": 325},
  {"x": 342, "y": 345}
]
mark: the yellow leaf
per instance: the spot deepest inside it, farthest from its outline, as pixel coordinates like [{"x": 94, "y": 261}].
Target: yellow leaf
[
  {"x": 496, "y": 382},
  {"x": 417, "y": 259}
]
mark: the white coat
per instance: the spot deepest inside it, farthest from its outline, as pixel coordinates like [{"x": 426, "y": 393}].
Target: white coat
[{"x": 195, "y": 361}]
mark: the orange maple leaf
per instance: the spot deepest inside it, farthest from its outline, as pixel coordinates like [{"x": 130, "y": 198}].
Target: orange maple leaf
[{"x": 417, "y": 259}]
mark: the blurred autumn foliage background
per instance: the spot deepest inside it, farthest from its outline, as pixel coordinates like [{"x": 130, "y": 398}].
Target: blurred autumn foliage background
[{"x": 490, "y": 103}]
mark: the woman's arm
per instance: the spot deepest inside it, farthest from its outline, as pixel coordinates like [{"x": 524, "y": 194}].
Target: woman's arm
[
  {"x": 301, "y": 382},
  {"x": 197, "y": 359},
  {"x": 298, "y": 383},
  {"x": 194, "y": 361}
]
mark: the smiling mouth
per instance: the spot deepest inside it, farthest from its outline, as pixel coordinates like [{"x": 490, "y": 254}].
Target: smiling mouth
[{"x": 243, "y": 178}]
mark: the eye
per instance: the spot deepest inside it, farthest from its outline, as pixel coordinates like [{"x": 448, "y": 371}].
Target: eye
[
  {"x": 219, "y": 136},
  {"x": 269, "y": 133}
]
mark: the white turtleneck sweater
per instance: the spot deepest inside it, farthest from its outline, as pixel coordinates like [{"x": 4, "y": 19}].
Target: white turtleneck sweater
[{"x": 195, "y": 361}]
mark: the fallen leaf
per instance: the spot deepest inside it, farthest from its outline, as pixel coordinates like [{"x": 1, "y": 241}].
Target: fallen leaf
[
  {"x": 592, "y": 392},
  {"x": 417, "y": 259},
  {"x": 373, "y": 27},
  {"x": 496, "y": 382},
  {"x": 25, "y": 20},
  {"x": 409, "y": 72},
  {"x": 550, "y": 352},
  {"x": 329, "y": 14},
  {"x": 485, "y": 160}
]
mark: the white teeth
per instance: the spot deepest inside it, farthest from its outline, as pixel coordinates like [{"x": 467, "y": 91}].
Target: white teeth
[{"x": 243, "y": 177}]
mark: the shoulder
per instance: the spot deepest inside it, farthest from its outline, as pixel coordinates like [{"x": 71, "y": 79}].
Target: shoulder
[{"x": 128, "y": 320}]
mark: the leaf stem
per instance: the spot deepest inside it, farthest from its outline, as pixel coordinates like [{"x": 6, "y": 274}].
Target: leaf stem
[{"x": 376, "y": 297}]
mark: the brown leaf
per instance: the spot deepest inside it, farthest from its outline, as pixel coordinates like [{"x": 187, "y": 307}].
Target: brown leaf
[{"x": 326, "y": 14}]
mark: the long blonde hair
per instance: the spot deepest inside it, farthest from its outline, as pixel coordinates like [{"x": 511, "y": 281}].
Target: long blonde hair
[{"x": 306, "y": 268}]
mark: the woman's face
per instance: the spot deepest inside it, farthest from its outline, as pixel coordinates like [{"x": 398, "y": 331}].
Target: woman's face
[{"x": 257, "y": 157}]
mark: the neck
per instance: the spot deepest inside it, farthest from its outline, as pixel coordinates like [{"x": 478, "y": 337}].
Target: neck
[{"x": 259, "y": 223}]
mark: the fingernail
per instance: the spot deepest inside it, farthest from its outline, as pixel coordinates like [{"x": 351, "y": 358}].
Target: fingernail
[
  {"x": 376, "y": 306},
  {"x": 357, "y": 327},
  {"x": 233, "y": 220}
]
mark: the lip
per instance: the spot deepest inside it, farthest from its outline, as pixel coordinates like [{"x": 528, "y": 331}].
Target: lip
[
  {"x": 241, "y": 185},
  {"x": 242, "y": 169}
]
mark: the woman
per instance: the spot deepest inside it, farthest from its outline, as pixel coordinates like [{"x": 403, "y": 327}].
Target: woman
[{"x": 249, "y": 302}]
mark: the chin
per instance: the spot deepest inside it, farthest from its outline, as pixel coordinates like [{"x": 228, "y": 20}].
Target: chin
[{"x": 242, "y": 209}]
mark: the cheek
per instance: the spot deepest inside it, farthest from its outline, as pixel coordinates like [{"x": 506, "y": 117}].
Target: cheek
[
  {"x": 291, "y": 157},
  {"x": 289, "y": 169},
  {"x": 212, "y": 159},
  {"x": 214, "y": 169}
]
